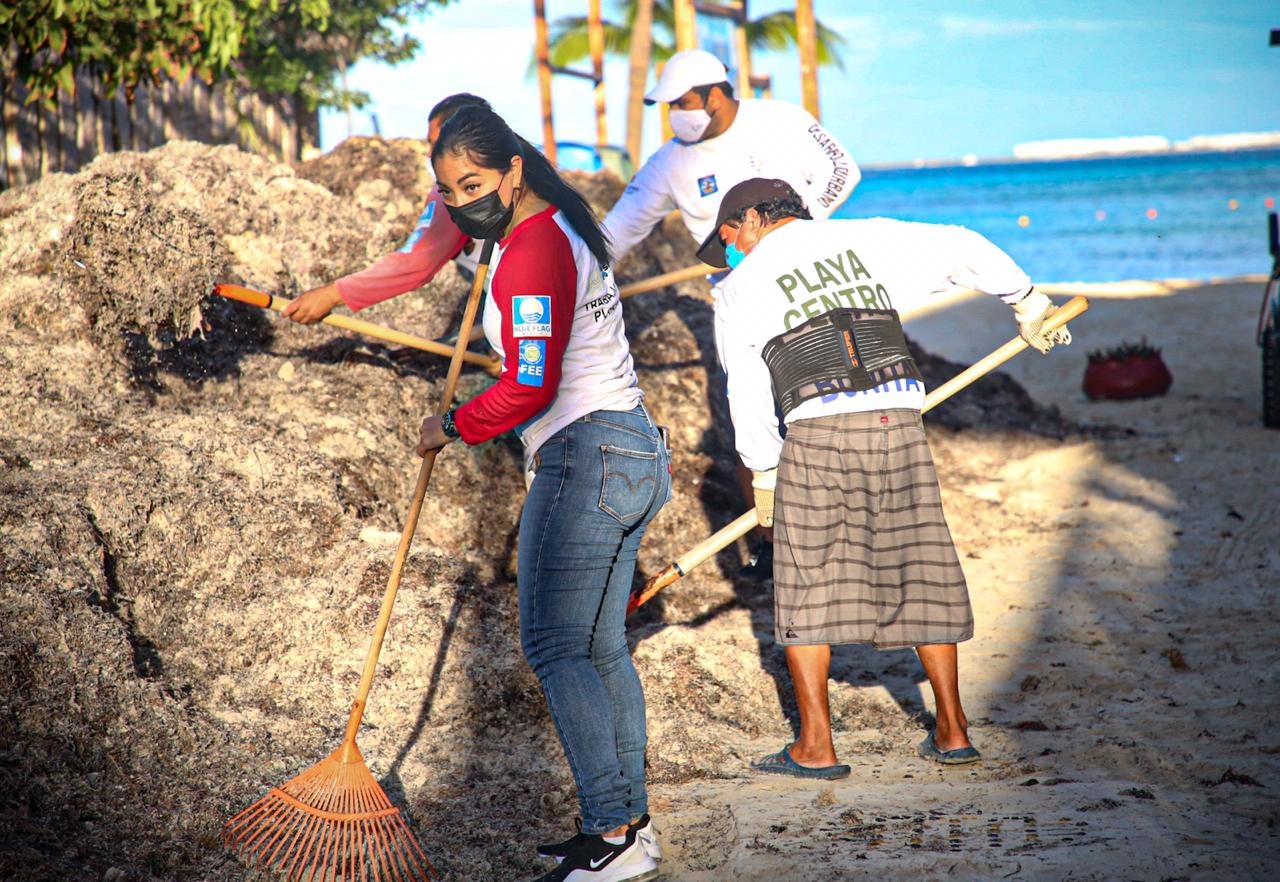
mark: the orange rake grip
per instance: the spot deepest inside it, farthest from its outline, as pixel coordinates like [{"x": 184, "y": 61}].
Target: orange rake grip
[{"x": 244, "y": 295}]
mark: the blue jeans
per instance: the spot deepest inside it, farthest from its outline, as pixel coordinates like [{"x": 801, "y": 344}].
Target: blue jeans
[{"x": 599, "y": 482}]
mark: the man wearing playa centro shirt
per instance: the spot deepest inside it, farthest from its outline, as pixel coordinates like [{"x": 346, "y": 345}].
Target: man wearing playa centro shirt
[{"x": 807, "y": 324}]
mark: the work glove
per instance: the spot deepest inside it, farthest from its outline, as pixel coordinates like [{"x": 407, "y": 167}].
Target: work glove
[
  {"x": 762, "y": 484},
  {"x": 1031, "y": 312}
]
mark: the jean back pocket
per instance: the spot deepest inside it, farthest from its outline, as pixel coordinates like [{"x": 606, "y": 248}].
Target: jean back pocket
[{"x": 630, "y": 483}]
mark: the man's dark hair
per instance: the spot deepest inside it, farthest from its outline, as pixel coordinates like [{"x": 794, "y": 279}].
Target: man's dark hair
[
  {"x": 704, "y": 91},
  {"x": 777, "y": 209},
  {"x": 447, "y": 107}
]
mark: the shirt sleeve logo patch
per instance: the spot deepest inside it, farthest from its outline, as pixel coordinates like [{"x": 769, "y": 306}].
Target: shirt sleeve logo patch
[
  {"x": 531, "y": 316},
  {"x": 533, "y": 360},
  {"x": 707, "y": 185},
  {"x": 424, "y": 224}
]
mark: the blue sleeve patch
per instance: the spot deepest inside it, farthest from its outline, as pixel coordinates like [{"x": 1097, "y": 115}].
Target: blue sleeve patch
[
  {"x": 424, "y": 223},
  {"x": 533, "y": 362},
  {"x": 531, "y": 316}
]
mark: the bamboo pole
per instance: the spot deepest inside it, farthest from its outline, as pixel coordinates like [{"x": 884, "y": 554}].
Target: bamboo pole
[
  {"x": 595, "y": 40},
  {"x": 641, "y": 55},
  {"x": 744, "y": 51},
  {"x": 542, "y": 54},
  {"x": 686, "y": 25},
  {"x": 807, "y": 38}
]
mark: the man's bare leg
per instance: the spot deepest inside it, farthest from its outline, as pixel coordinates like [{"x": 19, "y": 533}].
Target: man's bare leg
[
  {"x": 941, "y": 666},
  {"x": 810, "y": 668}
]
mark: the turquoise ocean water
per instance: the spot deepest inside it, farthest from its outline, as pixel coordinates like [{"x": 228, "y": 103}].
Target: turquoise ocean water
[{"x": 1186, "y": 215}]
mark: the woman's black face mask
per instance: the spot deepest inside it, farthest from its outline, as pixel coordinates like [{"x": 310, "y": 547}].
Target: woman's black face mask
[{"x": 485, "y": 218}]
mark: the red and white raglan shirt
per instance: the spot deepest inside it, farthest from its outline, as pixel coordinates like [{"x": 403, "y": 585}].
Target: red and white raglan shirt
[
  {"x": 435, "y": 241},
  {"x": 555, "y": 318},
  {"x": 806, "y": 268},
  {"x": 767, "y": 139}
]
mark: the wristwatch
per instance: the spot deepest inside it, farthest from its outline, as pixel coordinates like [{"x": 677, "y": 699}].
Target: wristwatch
[{"x": 447, "y": 426}]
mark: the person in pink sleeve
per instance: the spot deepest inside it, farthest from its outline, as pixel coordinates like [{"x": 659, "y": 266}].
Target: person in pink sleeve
[
  {"x": 435, "y": 241},
  {"x": 597, "y": 468}
]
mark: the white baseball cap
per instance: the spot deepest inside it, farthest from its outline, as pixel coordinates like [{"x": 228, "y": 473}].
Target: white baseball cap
[{"x": 683, "y": 71}]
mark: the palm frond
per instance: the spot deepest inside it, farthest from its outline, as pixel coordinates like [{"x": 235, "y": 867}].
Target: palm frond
[
  {"x": 568, "y": 40},
  {"x": 777, "y": 32},
  {"x": 664, "y": 15}
]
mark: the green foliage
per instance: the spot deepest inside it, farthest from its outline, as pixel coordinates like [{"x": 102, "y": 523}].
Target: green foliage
[
  {"x": 46, "y": 42},
  {"x": 284, "y": 55},
  {"x": 300, "y": 47}
]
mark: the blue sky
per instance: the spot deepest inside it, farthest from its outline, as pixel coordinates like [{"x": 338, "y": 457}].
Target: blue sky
[{"x": 922, "y": 79}]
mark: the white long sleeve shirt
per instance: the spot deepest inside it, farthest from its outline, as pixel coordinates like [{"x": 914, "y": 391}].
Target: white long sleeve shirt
[
  {"x": 767, "y": 139},
  {"x": 806, "y": 268},
  {"x": 553, "y": 315}
]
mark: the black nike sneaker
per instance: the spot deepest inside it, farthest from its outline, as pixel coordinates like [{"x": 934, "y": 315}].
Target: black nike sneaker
[
  {"x": 645, "y": 832},
  {"x": 596, "y": 859}
]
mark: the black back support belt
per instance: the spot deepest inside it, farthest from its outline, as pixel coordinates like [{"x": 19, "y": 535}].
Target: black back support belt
[{"x": 845, "y": 350}]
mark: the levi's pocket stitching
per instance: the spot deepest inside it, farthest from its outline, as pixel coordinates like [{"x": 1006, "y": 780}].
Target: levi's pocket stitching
[{"x": 628, "y": 485}]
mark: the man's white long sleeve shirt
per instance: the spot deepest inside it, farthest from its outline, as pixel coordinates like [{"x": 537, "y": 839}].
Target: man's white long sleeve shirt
[{"x": 767, "y": 139}]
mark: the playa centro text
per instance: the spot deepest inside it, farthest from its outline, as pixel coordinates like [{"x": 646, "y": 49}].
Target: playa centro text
[{"x": 823, "y": 279}]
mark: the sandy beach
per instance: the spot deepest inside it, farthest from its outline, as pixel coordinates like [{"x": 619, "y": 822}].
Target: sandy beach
[{"x": 196, "y": 532}]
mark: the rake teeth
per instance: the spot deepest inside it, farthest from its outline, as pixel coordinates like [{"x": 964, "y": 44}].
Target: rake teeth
[{"x": 332, "y": 823}]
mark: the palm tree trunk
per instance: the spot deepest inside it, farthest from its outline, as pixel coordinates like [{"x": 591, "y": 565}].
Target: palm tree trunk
[
  {"x": 686, "y": 20},
  {"x": 544, "y": 79},
  {"x": 744, "y": 53},
  {"x": 595, "y": 37},
  {"x": 641, "y": 51},
  {"x": 807, "y": 40}
]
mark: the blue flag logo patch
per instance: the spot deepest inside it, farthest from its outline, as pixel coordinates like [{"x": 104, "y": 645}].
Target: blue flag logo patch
[
  {"x": 533, "y": 361},
  {"x": 424, "y": 224},
  {"x": 531, "y": 316},
  {"x": 707, "y": 185}
]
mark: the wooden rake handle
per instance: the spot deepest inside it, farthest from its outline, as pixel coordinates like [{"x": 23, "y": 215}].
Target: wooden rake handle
[
  {"x": 700, "y": 271},
  {"x": 735, "y": 529},
  {"x": 369, "y": 329},
  {"x": 651, "y": 284},
  {"x": 415, "y": 508}
]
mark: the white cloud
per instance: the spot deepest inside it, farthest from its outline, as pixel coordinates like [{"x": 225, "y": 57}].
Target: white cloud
[{"x": 962, "y": 27}]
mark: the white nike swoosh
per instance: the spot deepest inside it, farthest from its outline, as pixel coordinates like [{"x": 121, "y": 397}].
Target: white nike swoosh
[{"x": 595, "y": 865}]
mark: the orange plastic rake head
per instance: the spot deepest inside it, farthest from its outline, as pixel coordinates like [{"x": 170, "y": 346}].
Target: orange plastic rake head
[{"x": 332, "y": 823}]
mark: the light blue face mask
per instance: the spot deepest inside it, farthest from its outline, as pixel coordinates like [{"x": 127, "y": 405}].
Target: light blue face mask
[{"x": 733, "y": 255}]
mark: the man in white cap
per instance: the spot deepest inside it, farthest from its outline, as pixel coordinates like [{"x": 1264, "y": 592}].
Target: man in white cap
[{"x": 720, "y": 141}]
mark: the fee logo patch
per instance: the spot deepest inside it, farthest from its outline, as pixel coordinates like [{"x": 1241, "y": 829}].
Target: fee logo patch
[
  {"x": 533, "y": 362},
  {"x": 531, "y": 316},
  {"x": 707, "y": 185},
  {"x": 424, "y": 224}
]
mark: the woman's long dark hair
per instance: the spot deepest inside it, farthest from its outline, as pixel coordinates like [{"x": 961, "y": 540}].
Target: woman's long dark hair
[{"x": 490, "y": 143}]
